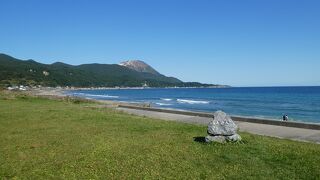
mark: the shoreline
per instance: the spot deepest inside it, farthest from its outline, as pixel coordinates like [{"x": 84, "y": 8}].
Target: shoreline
[
  {"x": 61, "y": 93},
  {"x": 116, "y": 88},
  {"x": 281, "y": 132},
  {"x": 304, "y": 125}
]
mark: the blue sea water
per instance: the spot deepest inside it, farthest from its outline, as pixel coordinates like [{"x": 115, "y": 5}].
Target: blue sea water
[{"x": 299, "y": 103}]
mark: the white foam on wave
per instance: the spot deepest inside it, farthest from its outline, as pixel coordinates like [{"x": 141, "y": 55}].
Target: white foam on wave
[
  {"x": 186, "y": 101},
  {"x": 166, "y": 99},
  {"x": 95, "y": 95},
  {"x": 163, "y": 104},
  {"x": 78, "y": 93}
]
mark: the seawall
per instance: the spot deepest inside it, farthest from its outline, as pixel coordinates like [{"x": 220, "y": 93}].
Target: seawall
[{"x": 304, "y": 125}]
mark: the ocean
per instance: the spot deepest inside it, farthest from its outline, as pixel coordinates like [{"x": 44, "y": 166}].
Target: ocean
[{"x": 299, "y": 103}]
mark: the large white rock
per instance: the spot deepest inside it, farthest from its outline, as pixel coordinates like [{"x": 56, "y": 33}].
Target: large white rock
[
  {"x": 222, "y": 124},
  {"x": 233, "y": 138},
  {"x": 219, "y": 139}
]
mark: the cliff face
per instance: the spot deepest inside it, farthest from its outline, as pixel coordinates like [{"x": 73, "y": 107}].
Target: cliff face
[{"x": 139, "y": 66}]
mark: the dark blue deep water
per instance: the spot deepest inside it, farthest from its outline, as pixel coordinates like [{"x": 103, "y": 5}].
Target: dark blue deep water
[{"x": 300, "y": 103}]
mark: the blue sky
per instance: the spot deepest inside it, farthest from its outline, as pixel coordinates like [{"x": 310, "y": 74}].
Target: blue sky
[{"x": 240, "y": 43}]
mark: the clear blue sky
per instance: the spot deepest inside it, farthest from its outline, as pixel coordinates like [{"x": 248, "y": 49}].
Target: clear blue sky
[{"x": 240, "y": 43}]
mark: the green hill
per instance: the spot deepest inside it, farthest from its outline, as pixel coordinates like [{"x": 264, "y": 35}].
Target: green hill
[{"x": 20, "y": 72}]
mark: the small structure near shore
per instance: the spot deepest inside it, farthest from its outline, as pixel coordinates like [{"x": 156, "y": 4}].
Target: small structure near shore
[{"x": 222, "y": 129}]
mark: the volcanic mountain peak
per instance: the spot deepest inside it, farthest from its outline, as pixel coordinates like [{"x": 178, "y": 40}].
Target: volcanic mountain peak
[{"x": 139, "y": 66}]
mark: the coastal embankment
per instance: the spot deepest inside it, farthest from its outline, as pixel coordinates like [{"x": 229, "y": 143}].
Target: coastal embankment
[
  {"x": 287, "y": 130},
  {"x": 274, "y": 128}
]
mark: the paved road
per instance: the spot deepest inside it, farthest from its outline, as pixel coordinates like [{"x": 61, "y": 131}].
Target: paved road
[{"x": 298, "y": 134}]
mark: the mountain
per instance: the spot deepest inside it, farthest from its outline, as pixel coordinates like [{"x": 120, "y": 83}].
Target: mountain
[
  {"x": 139, "y": 66},
  {"x": 131, "y": 74}
]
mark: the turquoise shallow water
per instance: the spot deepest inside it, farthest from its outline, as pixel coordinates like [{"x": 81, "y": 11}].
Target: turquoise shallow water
[{"x": 300, "y": 103}]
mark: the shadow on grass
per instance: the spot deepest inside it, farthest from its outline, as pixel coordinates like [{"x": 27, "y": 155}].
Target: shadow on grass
[{"x": 199, "y": 139}]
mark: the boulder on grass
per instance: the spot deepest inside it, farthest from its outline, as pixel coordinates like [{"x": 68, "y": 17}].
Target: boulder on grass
[
  {"x": 222, "y": 124},
  {"x": 222, "y": 129},
  {"x": 233, "y": 138},
  {"x": 220, "y": 139}
]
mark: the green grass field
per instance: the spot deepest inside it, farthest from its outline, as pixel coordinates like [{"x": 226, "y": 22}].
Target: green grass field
[{"x": 55, "y": 139}]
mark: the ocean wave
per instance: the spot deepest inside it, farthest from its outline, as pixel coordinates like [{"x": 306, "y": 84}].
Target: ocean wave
[
  {"x": 77, "y": 93},
  {"x": 163, "y": 104},
  {"x": 186, "y": 101},
  {"x": 166, "y": 99},
  {"x": 96, "y": 95}
]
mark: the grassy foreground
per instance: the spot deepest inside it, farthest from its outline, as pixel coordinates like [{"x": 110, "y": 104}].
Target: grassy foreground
[{"x": 50, "y": 139}]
